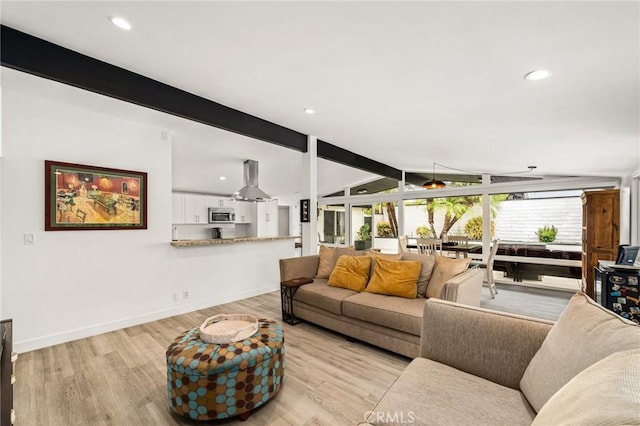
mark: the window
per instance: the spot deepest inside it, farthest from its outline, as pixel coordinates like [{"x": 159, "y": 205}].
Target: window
[
  {"x": 361, "y": 226},
  {"x": 331, "y": 224}
]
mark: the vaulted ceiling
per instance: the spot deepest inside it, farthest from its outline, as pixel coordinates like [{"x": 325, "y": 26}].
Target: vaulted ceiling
[{"x": 403, "y": 83}]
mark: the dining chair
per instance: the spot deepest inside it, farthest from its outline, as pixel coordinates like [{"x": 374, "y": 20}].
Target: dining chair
[
  {"x": 464, "y": 239},
  {"x": 429, "y": 246},
  {"x": 459, "y": 239},
  {"x": 402, "y": 244},
  {"x": 488, "y": 267}
]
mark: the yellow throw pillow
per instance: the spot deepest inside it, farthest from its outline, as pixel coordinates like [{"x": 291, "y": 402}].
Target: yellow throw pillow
[
  {"x": 444, "y": 269},
  {"x": 395, "y": 278},
  {"x": 327, "y": 261},
  {"x": 351, "y": 272}
]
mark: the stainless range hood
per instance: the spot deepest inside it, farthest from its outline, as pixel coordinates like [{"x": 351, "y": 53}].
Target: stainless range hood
[{"x": 250, "y": 190}]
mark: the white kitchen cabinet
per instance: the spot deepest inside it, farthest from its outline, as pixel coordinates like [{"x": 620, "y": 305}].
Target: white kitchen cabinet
[
  {"x": 218, "y": 202},
  {"x": 243, "y": 211},
  {"x": 265, "y": 222},
  {"x": 177, "y": 208},
  {"x": 271, "y": 219},
  {"x": 196, "y": 208}
]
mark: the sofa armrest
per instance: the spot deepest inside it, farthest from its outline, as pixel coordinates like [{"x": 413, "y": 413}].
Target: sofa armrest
[
  {"x": 465, "y": 288},
  {"x": 494, "y": 345},
  {"x": 296, "y": 267}
]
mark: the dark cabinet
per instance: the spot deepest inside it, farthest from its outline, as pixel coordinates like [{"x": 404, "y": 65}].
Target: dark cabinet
[
  {"x": 600, "y": 232},
  {"x": 620, "y": 292}
]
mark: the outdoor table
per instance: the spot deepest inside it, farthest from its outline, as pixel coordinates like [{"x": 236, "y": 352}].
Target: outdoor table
[{"x": 465, "y": 249}]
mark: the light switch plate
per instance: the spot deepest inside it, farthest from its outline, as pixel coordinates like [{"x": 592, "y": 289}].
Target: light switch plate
[{"x": 29, "y": 239}]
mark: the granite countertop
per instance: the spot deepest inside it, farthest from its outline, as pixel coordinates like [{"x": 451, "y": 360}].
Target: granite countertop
[{"x": 219, "y": 241}]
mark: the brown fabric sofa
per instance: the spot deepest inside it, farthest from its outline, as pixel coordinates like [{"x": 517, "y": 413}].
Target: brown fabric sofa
[
  {"x": 390, "y": 322},
  {"x": 482, "y": 367}
]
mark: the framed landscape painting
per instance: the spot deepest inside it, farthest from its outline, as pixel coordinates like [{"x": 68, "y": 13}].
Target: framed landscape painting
[{"x": 80, "y": 197}]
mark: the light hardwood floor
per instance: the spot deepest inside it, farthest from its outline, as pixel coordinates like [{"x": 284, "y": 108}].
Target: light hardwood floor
[
  {"x": 531, "y": 301},
  {"x": 119, "y": 378}
]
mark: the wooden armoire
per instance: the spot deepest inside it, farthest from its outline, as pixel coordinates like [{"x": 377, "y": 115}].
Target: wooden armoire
[{"x": 600, "y": 232}]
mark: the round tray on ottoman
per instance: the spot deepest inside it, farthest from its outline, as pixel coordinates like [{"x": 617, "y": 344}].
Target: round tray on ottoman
[{"x": 209, "y": 381}]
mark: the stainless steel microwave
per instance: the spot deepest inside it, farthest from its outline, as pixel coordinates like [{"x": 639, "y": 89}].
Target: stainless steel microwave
[{"x": 221, "y": 215}]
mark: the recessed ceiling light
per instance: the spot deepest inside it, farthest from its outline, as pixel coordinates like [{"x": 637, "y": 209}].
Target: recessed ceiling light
[
  {"x": 309, "y": 111},
  {"x": 222, "y": 178},
  {"x": 538, "y": 75},
  {"x": 120, "y": 22},
  {"x": 362, "y": 191}
]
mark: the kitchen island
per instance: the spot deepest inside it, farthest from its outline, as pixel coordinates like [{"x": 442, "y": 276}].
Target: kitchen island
[
  {"x": 219, "y": 241},
  {"x": 199, "y": 273}
]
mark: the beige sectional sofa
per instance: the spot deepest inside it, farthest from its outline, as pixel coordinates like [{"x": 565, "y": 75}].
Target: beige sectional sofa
[
  {"x": 390, "y": 322},
  {"x": 481, "y": 367}
]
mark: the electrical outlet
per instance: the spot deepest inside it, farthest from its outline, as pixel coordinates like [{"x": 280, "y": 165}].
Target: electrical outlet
[
  {"x": 185, "y": 294},
  {"x": 176, "y": 296}
]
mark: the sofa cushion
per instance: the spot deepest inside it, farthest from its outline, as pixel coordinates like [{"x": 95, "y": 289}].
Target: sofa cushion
[
  {"x": 326, "y": 262},
  {"x": 607, "y": 393},
  {"x": 387, "y": 256},
  {"x": 584, "y": 334},
  {"x": 425, "y": 270},
  {"x": 320, "y": 295},
  {"x": 444, "y": 269},
  {"x": 395, "y": 278},
  {"x": 351, "y": 272},
  {"x": 389, "y": 311},
  {"x": 435, "y": 394}
]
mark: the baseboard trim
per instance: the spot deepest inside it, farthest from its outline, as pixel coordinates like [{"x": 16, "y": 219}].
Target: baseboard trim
[{"x": 106, "y": 327}]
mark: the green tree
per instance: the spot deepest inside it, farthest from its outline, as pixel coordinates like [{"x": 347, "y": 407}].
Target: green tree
[
  {"x": 393, "y": 219},
  {"x": 455, "y": 207},
  {"x": 390, "y": 209}
]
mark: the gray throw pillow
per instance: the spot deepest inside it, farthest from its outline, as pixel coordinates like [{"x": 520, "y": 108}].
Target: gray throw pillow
[
  {"x": 584, "y": 334},
  {"x": 425, "y": 270},
  {"x": 607, "y": 393}
]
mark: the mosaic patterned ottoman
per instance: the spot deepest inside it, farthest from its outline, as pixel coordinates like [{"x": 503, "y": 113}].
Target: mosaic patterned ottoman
[{"x": 216, "y": 381}]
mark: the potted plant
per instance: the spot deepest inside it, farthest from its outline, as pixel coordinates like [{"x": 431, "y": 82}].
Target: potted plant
[
  {"x": 384, "y": 230},
  {"x": 363, "y": 237},
  {"x": 423, "y": 231},
  {"x": 473, "y": 228},
  {"x": 547, "y": 234}
]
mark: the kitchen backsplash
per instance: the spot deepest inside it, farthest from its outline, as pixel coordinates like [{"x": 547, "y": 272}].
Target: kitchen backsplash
[{"x": 203, "y": 232}]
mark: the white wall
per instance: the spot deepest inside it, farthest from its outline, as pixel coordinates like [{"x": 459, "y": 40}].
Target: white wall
[
  {"x": 518, "y": 220},
  {"x": 1, "y": 132},
  {"x": 73, "y": 284},
  {"x": 1, "y": 312}
]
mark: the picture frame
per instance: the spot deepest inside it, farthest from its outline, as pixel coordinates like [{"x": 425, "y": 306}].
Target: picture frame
[
  {"x": 304, "y": 210},
  {"x": 80, "y": 197}
]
